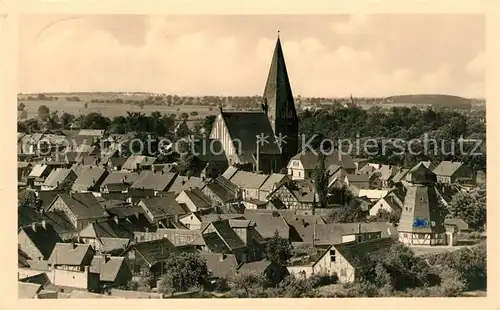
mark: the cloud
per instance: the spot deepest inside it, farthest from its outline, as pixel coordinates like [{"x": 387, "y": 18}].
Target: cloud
[
  {"x": 78, "y": 56},
  {"x": 354, "y": 25},
  {"x": 476, "y": 67}
]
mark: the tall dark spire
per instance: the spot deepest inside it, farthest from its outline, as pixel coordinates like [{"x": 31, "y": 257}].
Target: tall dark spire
[{"x": 280, "y": 102}]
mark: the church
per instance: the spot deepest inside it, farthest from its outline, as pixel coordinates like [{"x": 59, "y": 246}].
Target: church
[{"x": 263, "y": 140}]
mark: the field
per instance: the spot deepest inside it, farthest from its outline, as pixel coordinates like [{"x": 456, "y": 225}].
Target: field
[{"x": 113, "y": 109}]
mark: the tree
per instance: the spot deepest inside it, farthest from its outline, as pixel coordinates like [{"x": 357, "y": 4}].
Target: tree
[
  {"x": 208, "y": 123},
  {"x": 386, "y": 216},
  {"x": 66, "y": 120},
  {"x": 95, "y": 120},
  {"x": 321, "y": 180},
  {"x": 23, "y": 115},
  {"x": 278, "y": 250},
  {"x": 470, "y": 207},
  {"x": 30, "y": 200},
  {"x": 21, "y": 106},
  {"x": 186, "y": 270},
  {"x": 351, "y": 213},
  {"x": 43, "y": 112},
  {"x": 184, "y": 116},
  {"x": 251, "y": 283}
]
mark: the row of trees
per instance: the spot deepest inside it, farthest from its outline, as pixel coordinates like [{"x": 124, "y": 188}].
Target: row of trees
[{"x": 446, "y": 127}]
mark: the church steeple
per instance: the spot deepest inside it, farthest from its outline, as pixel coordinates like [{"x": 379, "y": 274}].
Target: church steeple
[{"x": 280, "y": 104}]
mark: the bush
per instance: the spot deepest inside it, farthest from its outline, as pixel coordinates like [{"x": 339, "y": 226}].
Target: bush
[
  {"x": 193, "y": 113},
  {"x": 475, "y": 235}
]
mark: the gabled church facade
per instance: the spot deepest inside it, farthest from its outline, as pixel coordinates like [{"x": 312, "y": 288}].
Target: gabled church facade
[{"x": 264, "y": 140}]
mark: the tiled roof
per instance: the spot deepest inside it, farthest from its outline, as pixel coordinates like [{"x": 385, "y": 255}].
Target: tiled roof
[
  {"x": 270, "y": 182},
  {"x": 39, "y": 170},
  {"x": 107, "y": 267},
  {"x": 184, "y": 183},
  {"x": 198, "y": 198},
  {"x": 362, "y": 253},
  {"x": 220, "y": 265},
  {"x": 58, "y": 176},
  {"x": 257, "y": 266},
  {"x": 248, "y": 180},
  {"x": 134, "y": 160},
  {"x": 44, "y": 239},
  {"x": 155, "y": 251},
  {"x": 420, "y": 174},
  {"x": 447, "y": 168},
  {"x": 107, "y": 229},
  {"x": 72, "y": 254},
  {"x": 84, "y": 205},
  {"x": 116, "y": 177},
  {"x": 154, "y": 180},
  {"x": 179, "y": 237},
  {"x": 162, "y": 207},
  {"x": 267, "y": 224},
  {"x": 228, "y": 235},
  {"x": 230, "y": 171},
  {"x": 89, "y": 177},
  {"x": 28, "y": 290}
]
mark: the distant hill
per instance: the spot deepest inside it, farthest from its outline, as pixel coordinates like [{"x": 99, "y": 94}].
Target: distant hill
[{"x": 446, "y": 100}]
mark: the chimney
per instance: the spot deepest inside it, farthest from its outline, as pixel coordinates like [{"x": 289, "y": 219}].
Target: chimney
[
  {"x": 44, "y": 224},
  {"x": 57, "y": 184},
  {"x": 123, "y": 180},
  {"x": 33, "y": 226},
  {"x": 73, "y": 245},
  {"x": 183, "y": 182},
  {"x": 86, "y": 269},
  {"x": 116, "y": 219},
  {"x": 359, "y": 228},
  {"x": 222, "y": 257},
  {"x": 106, "y": 258}
]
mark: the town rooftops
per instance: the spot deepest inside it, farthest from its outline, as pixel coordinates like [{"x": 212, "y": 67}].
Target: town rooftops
[
  {"x": 248, "y": 180},
  {"x": 43, "y": 236},
  {"x": 72, "y": 254},
  {"x": 155, "y": 251},
  {"x": 88, "y": 177},
  {"x": 447, "y": 168},
  {"x": 163, "y": 207},
  {"x": 82, "y": 205},
  {"x": 268, "y": 223},
  {"x": 134, "y": 161},
  {"x": 107, "y": 267},
  {"x": 120, "y": 177},
  {"x": 220, "y": 265},
  {"x": 158, "y": 181},
  {"x": 57, "y": 177}
]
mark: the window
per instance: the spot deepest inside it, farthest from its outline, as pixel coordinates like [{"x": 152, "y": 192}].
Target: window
[
  {"x": 359, "y": 238},
  {"x": 332, "y": 256},
  {"x": 295, "y": 163}
]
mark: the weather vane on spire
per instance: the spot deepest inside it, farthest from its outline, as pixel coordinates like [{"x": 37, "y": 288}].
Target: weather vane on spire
[{"x": 278, "y": 33}]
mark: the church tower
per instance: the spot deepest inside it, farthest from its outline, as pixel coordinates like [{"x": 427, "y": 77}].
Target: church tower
[{"x": 278, "y": 104}]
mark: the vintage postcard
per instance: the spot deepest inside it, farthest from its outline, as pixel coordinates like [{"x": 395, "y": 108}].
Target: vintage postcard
[{"x": 178, "y": 156}]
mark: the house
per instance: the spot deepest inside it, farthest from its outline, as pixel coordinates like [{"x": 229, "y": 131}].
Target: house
[
  {"x": 58, "y": 177},
  {"x": 270, "y": 184},
  {"x": 272, "y": 271},
  {"x": 38, "y": 174},
  {"x": 253, "y": 204},
  {"x": 23, "y": 171},
  {"x": 387, "y": 203},
  {"x": 220, "y": 265},
  {"x": 70, "y": 266},
  {"x": 375, "y": 181},
  {"x": 268, "y": 223},
  {"x": 238, "y": 131},
  {"x": 299, "y": 224},
  {"x": 399, "y": 176},
  {"x": 249, "y": 182},
  {"x": 360, "y": 163},
  {"x": 194, "y": 199},
  {"x": 108, "y": 236},
  {"x": 421, "y": 221},
  {"x": 151, "y": 255},
  {"x": 371, "y": 194},
  {"x": 182, "y": 183},
  {"x": 221, "y": 191},
  {"x": 118, "y": 179},
  {"x": 89, "y": 179},
  {"x": 303, "y": 164},
  {"x": 158, "y": 209},
  {"x": 454, "y": 172},
  {"x": 28, "y": 290},
  {"x": 37, "y": 240},
  {"x": 138, "y": 163},
  {"x": 113, "y": 271},
  {"x": 387, "y": 172},
  {"x": 221, "y": 237},
  {"x": 80, "y": 208},
  {"x": 461, "y": 225},
  {"x": 157, "y": 181},
  {"x": 346, "y": 260},
  {"x": 297, "y": 195},
  {"x": 358, "y": 181}
]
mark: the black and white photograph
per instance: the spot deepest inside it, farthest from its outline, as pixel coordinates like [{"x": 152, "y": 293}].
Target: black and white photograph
[{"x": 251, "y": 156}]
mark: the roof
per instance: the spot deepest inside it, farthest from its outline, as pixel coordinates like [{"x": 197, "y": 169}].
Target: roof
[
  {"x": 421, "y": 203},
  {"x": 162, "y": 207},
  {"x": 112, "y": 245},
  {"x": 399, "y": 176},
  {"x": 44, "y": 239},
  {"x": 183, "y": 183},
  {"x": 223, "y": 189},
  {"x": 257, "y": 266},
  {"x": 220, "y": 265},
  {"x": 39, "y": 170},
  {"x": 271, "y": 181},
  {"x": 326, "y": 234},
  {"x": 310, "y": 160},
  {"x": 22, "y": 258},
  {"x": 58, "y": 176},
  {"x": 159, "y": 181},
  {"x": 83, "y": 205},
  {"x": 245, "y": 127},
  {"x": 373, "y": 193},
  {"x": 230, "y": 171},
  {"x": 88, "y": 177},
  {"x": 179, "y": 237},
  {"x": 91, "y": 132},
  {"x": 267, "y": 224},
  {"x": 107, "y": 229},
  {"x": 362, "y": 253},
  {"x": 303, "y": 190},
  {"x": 420, "y": 174},
  {"x": 447, "y": 168},
  {"x": 248, "y": 180},
  {"x": 155, "y": 251},
  {"x": 457, "y": 222},
  {"x": 134, "y": 160},
  {"x": 198, "y": 198},
  {"x": 358, "y": 178},
  {"x": 227, "y": 234},
  {"x": 72, "y": 254},
  {"x": 107, "y": 267},
  {"x": 120, "y": 177},
  {"x": 28, "y": 290}
]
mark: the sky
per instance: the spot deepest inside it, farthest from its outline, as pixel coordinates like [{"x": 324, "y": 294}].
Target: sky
[{"x": 326, "y": 55}]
